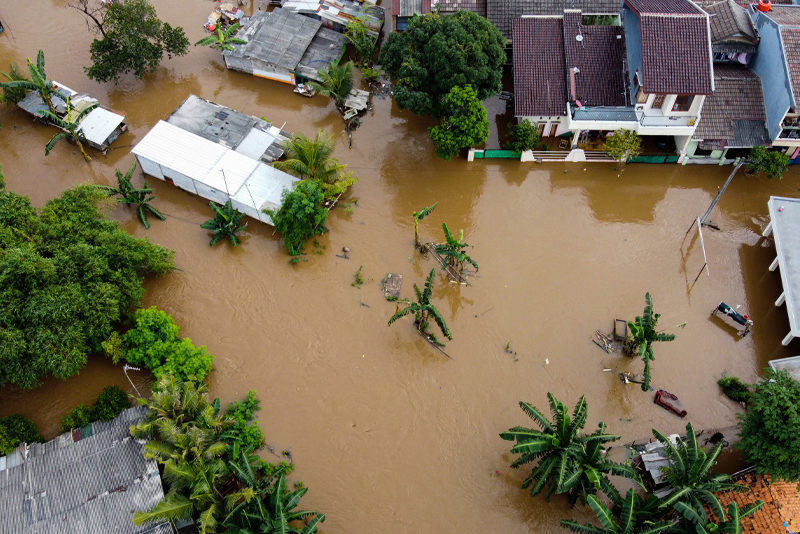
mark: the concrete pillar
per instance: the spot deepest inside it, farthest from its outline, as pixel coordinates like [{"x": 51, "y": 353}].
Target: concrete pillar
[
  {"x": 768, "y": 230},
  {"x": 787, "y": 339},
  {"x": 774, "y": 264},
  {"x": 781, "y": 299},
  {"x": 471, "y": 155},
  {"x": 527, "y": 155},
  {"x": 576, "y": 154}
]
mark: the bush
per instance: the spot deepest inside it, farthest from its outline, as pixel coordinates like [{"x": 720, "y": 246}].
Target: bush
[
  {"x": 78, "y": 417},
  {"x": 110, "y": 403},
  {"x": 734, "y": 389},
  {"x": 113, "y": 348},
  {"x": 623, "y": 146},
  {"x": 154, "y": 343},
  {"x": 770, "y": 162},
  {"x": 246, "y": 430},
  {"x": 16, "y": 429},
  {"x": 300, "y": 216},
  {"x": 523, "y": 136}
]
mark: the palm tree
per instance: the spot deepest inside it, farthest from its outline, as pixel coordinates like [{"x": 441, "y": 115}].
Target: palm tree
[
  {"x": 12, "y": 95},
  {"x": 225, "y": 223},
  {"x": 730, "y": 525},
  {"x": 423, "y": 310},
  {"x": 571, "y": 463},
  {"x": 131, "y": 195},
  {"x": 642, "y": 336},
  {"x": 689, "y": 473},
  {"x": 222, "y": 41},
  {"x": 636, "y": 517},
  {"x": 336, "y": 82},
  {"x": 452, "y": 251},
  {"x": 38, "y": 82},
  {"x": 418, "y": 216},
  {"x": 70, "y": 128}
]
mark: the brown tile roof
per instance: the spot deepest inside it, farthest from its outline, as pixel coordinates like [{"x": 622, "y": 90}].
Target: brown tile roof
[
  {"x": 502, "y": 12},
  {"x": 539, "y": 67},
  {"x": 735, "y": 112},
  {"x": 785, "y": 15},
  {"x": 675, "y": 54},
  {"x": 599, "y": 58},
  {"x": 743, "y": 3},
  {"x": 781, "y": 505},
  {"x": 406, "y": 8},
  {"x": 732, "y": 29},
  {"x": 791, "y": 48},
  {"x": 451, "y": 6},
  {"x": 663, "y": 7}
]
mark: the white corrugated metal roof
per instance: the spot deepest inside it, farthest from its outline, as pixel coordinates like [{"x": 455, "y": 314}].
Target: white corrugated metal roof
[
  {"x": 255, "y": 143},
  {"x": 264, "y": 186},
  {"x": 230, "y": 172},
  {"x": 182, "y": 151},
  {"x": 99, "y": 124}
]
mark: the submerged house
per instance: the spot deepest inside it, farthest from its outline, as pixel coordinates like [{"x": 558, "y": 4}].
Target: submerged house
[
  {"x": 99, "y": 128},
  {"x": 284, "y": 46},
  {"x": 219, "y": 154},
  {"x": 337, "y": 14},
  {"x": 89, "y": 480}
]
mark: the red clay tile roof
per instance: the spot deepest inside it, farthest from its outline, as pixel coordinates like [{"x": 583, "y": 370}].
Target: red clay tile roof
[
  {"x": 539, "y": 67},
  {"x": 406, "y": 8},
  {"x": 743, "y": 3},
  {"x": 599, "y": 58},
  {"x": 781, "y": 504},
  {"x": 785, "y": 15},
  {"x": 451, "y": 6},
  {"x": 502, "y": 12},
  {"x": 676, "y": 58},
  {"x": 663, "y": 7},
  {"x": 791, "y": 48},
  {"x": 732, "y": 29}
]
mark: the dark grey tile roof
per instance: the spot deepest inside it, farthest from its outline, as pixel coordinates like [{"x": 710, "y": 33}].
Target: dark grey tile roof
[
  {"x": 539, "y": 67},
  {"x": 451, "y": 6},
  {"x": 785, "y": 15},
  {"x": 599, "y": 56},
  {"x": 742, "y": 3},
  {"x": 676, "y": 58},
  {"x": 791, "y": 47},
  {"x": 663, "y": 7},
  {"x": 735, "y": 112},
  {"x": 92, "y": 486},
  {"x": 732, "y": 29},
  {"x": 502, "y": 12}
]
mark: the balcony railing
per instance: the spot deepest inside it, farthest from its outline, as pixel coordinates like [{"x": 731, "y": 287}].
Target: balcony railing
[
  {"x": 670, "y": 120},
  {"x": 653, "y": 119}
]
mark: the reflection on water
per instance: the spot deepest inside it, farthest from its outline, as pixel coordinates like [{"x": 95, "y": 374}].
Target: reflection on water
[{"x": 386, "y": 431}]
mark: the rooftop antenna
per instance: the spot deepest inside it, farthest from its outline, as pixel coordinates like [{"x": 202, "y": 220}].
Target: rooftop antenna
[
  {"x": 125, "y": 369},
  {"x": 225, "y": 180}
]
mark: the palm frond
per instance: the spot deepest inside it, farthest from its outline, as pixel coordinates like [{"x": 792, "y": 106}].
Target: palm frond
[
  {"x": 439, "y": 320},
  {"x": 174, "y": 507},
  {"x": 582, "y": 529},
  {"x": 532, "y": 412},
  {"x": 402, "y": 313},
  {"x": 603, "y": 514},
  {"x": 53, "y": 141},
  {"x": 424, "y": 212}
]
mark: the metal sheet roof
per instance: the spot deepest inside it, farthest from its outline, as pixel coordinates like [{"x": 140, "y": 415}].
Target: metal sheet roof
[
  {"x": 99, "y": 124},
  {"x": 230, "y": 172},
  {"x": 255, "y": 143}
]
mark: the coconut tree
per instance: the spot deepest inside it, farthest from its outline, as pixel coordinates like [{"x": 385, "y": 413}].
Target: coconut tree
[
  {"x": 689, "y": 473},
  {"x": 730, "y": 525},
  {"x": 418, "y": 216},
  {"x": 643, "y": 334},
  {"x": 70, "y": 126},
  {"x": 569, "y": 462},
  {"x": 423, "y": 310},
  {"x": 225, "y": 223},
  {"x": 222, "y": 40},
  {"x": 336, "y": 82},
  {"x": 452, "y": 250},
  {"x": 38, "y": 82},
  {"x": 131, "y": 195},
  {"x": 636, "y": 517}
]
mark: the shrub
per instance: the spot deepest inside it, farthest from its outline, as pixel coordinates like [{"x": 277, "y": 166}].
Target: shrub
[
  {"x": 623, "y": 146},
  {"x": 78, "y": 417},
  {"x": 300, "y": 216},
  {"x": 523, "y": 136},
  {"x": 113, "y": 347},
  {"x": 246, "y": 430},
  {"x": 734, "y": 389},
  {"x": 154, "y": 343},
  {"x": 110, "y": 403},
  {"x": 16, "y": 429},
  {"x": 769, "y": 162}
]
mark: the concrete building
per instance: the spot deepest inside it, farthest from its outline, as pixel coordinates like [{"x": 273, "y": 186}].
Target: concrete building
[{"x": 784, "y": 226}]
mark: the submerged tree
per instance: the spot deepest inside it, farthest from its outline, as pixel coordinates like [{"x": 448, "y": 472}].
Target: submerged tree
[
  {"x": 452, "y": 250},
  {"x": 623, "y": 146},
  {"x": 362, "y": 38},
  {"x": 636, "y": 517},
  {"x": 222, "y": 40},
  {"x": 12, "y": 95},
  {"x": 38, "y": 82},
  {"x": 727, "y": 525},
  {"x": 225, "y": 223},
  {"x": 769, "y": 162},
  {"x": 418, "y": 216},
  {"x": 131, "y": 195},
  {"x": 463, "y": 125},
  {"x": 523, "y": 136},
  {"x": 335, "y": 82},
  {"x": 643, "y": 334},
  {"x": 70, "y": 126},
  {"x": 423, "y": 310}
]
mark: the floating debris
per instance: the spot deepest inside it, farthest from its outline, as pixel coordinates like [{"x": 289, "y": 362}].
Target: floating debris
[
  {"x": 392, "y": 285},
  {"x": 669, "y": 402}
]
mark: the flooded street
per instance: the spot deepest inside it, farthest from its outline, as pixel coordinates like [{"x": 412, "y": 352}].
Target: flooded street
[{"x": 389, "y": 434}]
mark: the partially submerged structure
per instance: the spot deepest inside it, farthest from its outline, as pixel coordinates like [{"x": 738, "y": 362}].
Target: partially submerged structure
[
  {"x": 99, "y": 128},
  {"x": 219, "y": 154},
  {"x": 88, "y": 481},
  {"x": 781, "y": 511},
  {"x": 337, "y": 14},
  {"x": 784, "y": 225},
  {"x": 284, "y": 46},
  {"x": 790, "y": 365}
]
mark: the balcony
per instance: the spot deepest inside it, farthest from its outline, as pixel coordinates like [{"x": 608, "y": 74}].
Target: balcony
[
  {"x": 649, "y": 120},
  {"x": 646, "y": 122}
]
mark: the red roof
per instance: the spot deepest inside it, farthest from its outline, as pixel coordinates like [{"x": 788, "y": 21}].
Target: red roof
[{"x": 539, "y": 67}]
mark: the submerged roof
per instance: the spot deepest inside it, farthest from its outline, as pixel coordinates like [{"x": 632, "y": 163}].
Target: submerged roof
[
  {"x": 734, "y": 114},
  {"x": 90, "y": 486},
  {"x": 539, "y": 78},
  {"x": 501, "y": 13},
  {"x": 732, "y": 29},
  {"x": 99, "y": 124},
  {"x": 784, "y": 214}
]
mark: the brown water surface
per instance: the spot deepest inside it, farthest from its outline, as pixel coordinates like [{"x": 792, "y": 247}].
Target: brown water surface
[{"x": 390, "y": 435}]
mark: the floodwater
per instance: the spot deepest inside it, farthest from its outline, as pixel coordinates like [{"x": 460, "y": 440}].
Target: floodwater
[{"x": 389, "y": 434}]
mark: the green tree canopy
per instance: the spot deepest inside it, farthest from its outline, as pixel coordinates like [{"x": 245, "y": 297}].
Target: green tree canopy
[
  {"x": 623, "y": 146},
  {"x": 438, "y": 53},
  {"x": 16, "y": 429},
  {"x": 68, "y": 277},
  {"x": 769, "y": 162},
  {"x": 134, "y": 40},
  {"x": 770, "y": 428},
  {"x": 523, "y": 136},
  {"x": 300, "y": 216},
  {"x": 464, "y": 123}
]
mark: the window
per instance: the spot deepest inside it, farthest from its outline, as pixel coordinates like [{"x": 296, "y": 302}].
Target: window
[
  {"x": 682, "y": 103},
  {"x": 658, "y": 102},
  {"x": 641, "y": 96}
]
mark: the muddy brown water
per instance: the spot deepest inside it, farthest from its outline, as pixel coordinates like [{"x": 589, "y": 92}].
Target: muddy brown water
[{"x": 390, "y": 435}]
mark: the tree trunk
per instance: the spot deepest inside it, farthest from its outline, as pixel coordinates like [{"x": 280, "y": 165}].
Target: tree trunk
[
  {"x": 80, "y": 146},
  {"x": 416, "y": 233}
]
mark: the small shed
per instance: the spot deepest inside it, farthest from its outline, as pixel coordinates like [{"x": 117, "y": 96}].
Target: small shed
[
  {"x": 337, "y": 14},
  {"x": 784, "y": 226}
]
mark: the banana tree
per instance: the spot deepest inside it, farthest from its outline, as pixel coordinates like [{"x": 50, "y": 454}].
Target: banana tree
[
  {"x": 38, "y": 82},
  {"x": 636, "y": 517},
  {"x": 222, "y": 40},
  {"x": 225, "y": 223},
  {"x": 423, "y": 310},
  {"x": 730, "y": 525},
  {"x": 642, "y": 335},
  {"x": 70, "y": 127},
  {"x": 452, "y": 250},
  {"x": 131, "y": 195},
  {"x": 418, "y": 216}
]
